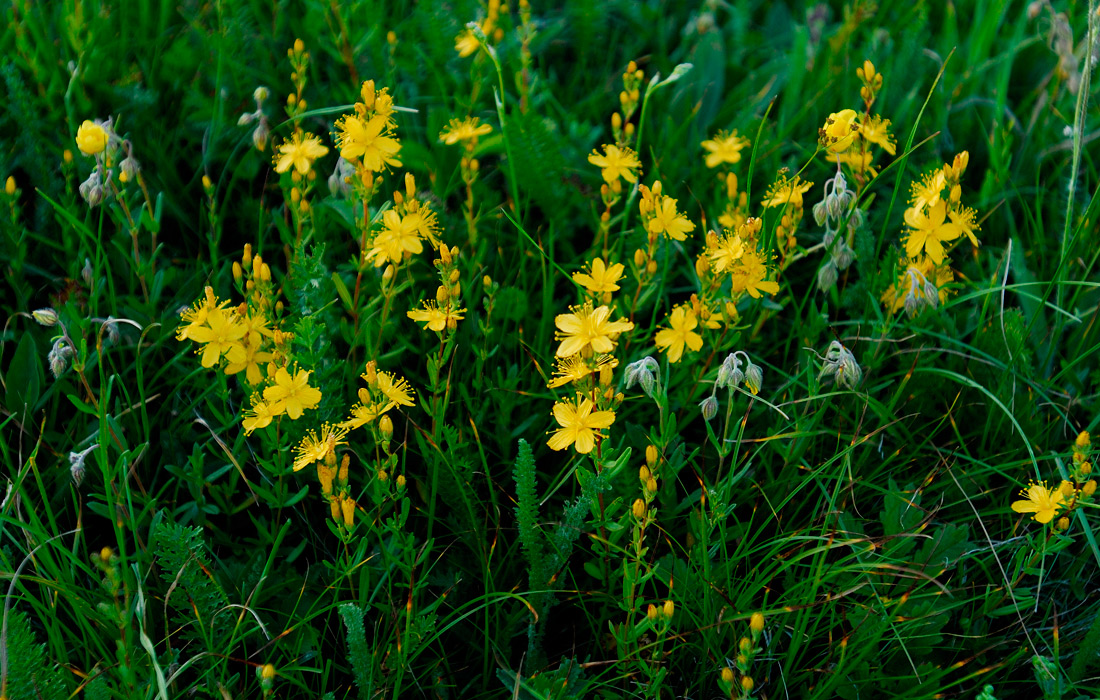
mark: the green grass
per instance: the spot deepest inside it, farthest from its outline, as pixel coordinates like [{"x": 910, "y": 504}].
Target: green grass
[{"x": 869, "y": 522}]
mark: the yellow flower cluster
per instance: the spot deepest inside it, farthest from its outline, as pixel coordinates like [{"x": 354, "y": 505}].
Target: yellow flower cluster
[
  {"x": 847, "y": 136},
  {"x": 443, "y": 312},
  {"x": 1047, "y": 503},
  {"x": 786, "y": 195},
  {"x": 660, "y": 215},
  {"x": 935, "y": 216},
  {"x": 404, "y": 227},
  {"x": 588, "y": 337},
  {"x": 367, "y": 137}
]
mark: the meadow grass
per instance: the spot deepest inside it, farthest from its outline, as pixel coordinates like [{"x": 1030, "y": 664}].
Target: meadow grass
[{"x": 591, "y": 349}]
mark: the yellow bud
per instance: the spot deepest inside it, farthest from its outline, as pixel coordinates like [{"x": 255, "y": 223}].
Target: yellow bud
[
  {"x": 383, "y": 475},
  {"x": 639, "y": 509},
  {"x": 961, "y": 161},
  {"x": 629, "y": 129},
  {"x": 67, "y": 156},
  {"x": 454, "y": 276},
  {"x": 631, "y": 67},
  {"x": 1082, "y": 440},
  {"x": 956, "y": 193},
  {"x": 347, "y": 506},
  {"x": 487, "y": 283},
  {"x": 745, "y": 645},
  {"x": 299, "y": 46},
  {"x": 651, "y": 485},
  {"x": 325, "y": 475},
  {"x": 207, "y": 184},
  {"x": 456, "y": 289},
  {"x": 727, "y": 675},
  {"x": 91, "y": 138},
  {"x": 441, "y": 295},
  {"x": 389, "y": 272},
  {"x": 651, "y": 267},
  {"x": 475, "y": 165},
  {"x": 1066, "y": 488},
  {"x": 746, "y": 684},
  {"x": 267, "y": 672},
  {"x": 265, "y": 273},
  {"x": 624, "y": 97},
  {"x": 616, "y": 121},
  {"x": 295, "y": 194},
  {"x": 105, "y": 554},
  {"x": 334, "y": 508},
  {"x": 257, "y": 265},
  {"x": 639, "y": 257},
  {"x": 756, "y": 623},
  {"x": 342, "y": 474},
  {"x": 304, "y": 206},
  {"x": 1062, "y": 524},
  {"x": 9, "y": 185},
  {"x": 445, "y": 255},
  {"x": 238, "y": 274},
  {"x": 605, "y": 376},
  {"x": 1089, "y": 487},
  {"x": 651, "y": 612},
  {"x": 385, "y": 425},
  {"x": 669, "y": 608},
  {"x": 391, "y": 38},
  {"x": 651, "y": 456},
  {"x": 400, "y": 481},
  {"x": 246, "y": 259},
  {"x": 644, "y": 474}
]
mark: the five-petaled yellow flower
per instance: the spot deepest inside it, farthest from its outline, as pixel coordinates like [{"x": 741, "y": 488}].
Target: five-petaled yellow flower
[
  {"x": 300, "y": 150},
  {"x": 434, "y": 317},
  {"x": 368, "y": 139},
  {"x": 725, "y": 147},
  {"x": 1043, "y": 502},
  {"x": 603, "y": 277},
  {"x": 682, "y": 333},
  {"x": 929, "y": 230},
  {"x": 467, "y": 129},
  {"x": 313, "y": 448},
  {"x": 259, "y": 416},
  {"x": 292, "y": 394},
  {"x": 668, "y": 221},
  {"x": 616, "y": 163},
  {"x": 588, "y": 328},
  {"x": 580, "y": 425},
  {"x": 396, "y": 389},
  {"x": 221, "y": 335}
]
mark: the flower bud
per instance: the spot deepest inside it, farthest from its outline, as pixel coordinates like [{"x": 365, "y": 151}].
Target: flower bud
[
  {"x": 9, "y": 185},
  {"x": 651, "y": 612},
  {"x": 745, "y": 645},
  {"x": 46, "y": 316},
  {"x": 651, "y": 485},
  {"x": 1082, "y": 440},
  {"x": 651, "y": 456},
  {"x": 347, "y": 507},
  {"x": 1089, "y": 487},
  {"x": 400, "y": 481},
  {"x": 756, "y": 623},
  {"x": 746, "y": 684},
  {"x": 91, "y": 138},
  {"x": 1063, "y": 523},
  {"x": 669, "y": 609},
  {"x": 639, "y": 509},
  {"x": 385, "y": 426},
  {"x": 709, "y": 407},
  {"x": 727, "y": 675}
]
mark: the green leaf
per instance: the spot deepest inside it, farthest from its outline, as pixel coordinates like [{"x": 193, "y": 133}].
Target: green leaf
[{"x": 24, "y": 377}]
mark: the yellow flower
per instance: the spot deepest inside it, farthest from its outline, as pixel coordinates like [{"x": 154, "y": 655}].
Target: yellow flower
[
  {"x": 467, "y": 129},
  {"x": 259, "y": 416},
  {"x": 579, "y": 425},
  {"x": 725, "y": 147},
  {"x": 602, "y": 278},
  {"x": 367, "y": 139},
  {"x": 839, "y": 131},
  {"x": 681, "y": 333},
  {"x": 300, "y": 150},
  {"x": 749, "y": 276},
  {"x": 91, "y": 138},
  {"x": 616, "y": 163},
  {"x": 435, "y": 318},
  {"x": 366, "y": 410},
  {"x": 196, "y": 315},
  {"x": 292, "y": 394},
  {"x": 587, "y": 327},
  {"x": 253, "y": 358},
  {"x": 1043, "y": 502},
  {"x": 398, "y": 236},
  {"x": 786, "y": 191},
  {"x": 877, "y": 131},
  {"x": 221, "y": 335},
  {"x": 396, "y": 389},
  {"x": 668, "y": 221},
  {"x": 858, "y": 162},
  {"x": 313, "y": 449},
  {"x": 575, "y": 367},
  {"x": 927, "y": 192},
  {"x": 929, "y": 230},
  {"x": 725, "y": 253},
  {"x": 466, "y": 43}
]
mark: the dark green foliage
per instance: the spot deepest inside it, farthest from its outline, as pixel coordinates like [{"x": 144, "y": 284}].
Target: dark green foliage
[
  {"x": 30, "y": 674},
  {"x": 197, "y": 598}
]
